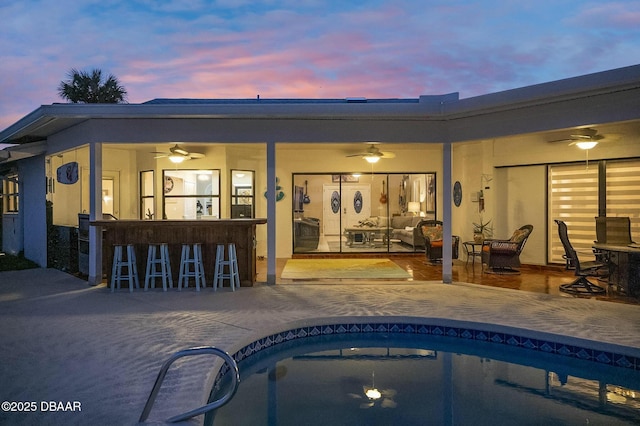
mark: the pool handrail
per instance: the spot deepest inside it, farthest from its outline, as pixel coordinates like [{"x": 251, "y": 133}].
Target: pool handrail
[{"x": 200, "y": 350}]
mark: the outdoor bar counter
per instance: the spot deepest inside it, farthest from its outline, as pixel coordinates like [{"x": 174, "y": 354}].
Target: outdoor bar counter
[{"x": 209, "y": 233}]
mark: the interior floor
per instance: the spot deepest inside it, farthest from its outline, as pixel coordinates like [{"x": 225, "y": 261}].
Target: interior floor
[
  {"x": 338, "y": 244},
  {"x": 536, "y": 279}
]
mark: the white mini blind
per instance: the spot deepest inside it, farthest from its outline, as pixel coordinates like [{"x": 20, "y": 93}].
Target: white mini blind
[{"x": 573, "y": 198}]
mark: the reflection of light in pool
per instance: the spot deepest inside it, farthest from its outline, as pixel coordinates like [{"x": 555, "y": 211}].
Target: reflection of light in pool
[{"x": 426, "y": 379}]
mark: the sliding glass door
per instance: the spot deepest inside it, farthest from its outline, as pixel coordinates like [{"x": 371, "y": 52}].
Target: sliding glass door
[{"x": 350, "y": 213}]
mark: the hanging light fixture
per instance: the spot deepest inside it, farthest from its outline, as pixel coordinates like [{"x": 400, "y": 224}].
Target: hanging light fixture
[
  {"x": 372, "y": 159},
  {"x": 586, "y": 144},
  {"x": 176, "y": 158}
]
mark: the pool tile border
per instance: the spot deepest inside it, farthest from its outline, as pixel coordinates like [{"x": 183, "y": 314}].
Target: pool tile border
[{"x": 478, "y": 334}]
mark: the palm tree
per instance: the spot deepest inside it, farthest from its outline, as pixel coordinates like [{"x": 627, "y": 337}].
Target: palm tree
[{"x": 84, "y": 87}]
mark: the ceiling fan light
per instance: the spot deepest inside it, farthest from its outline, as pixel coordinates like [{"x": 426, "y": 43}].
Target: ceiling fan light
[
  {"x": 177, "y": 159},
  {"x": 372, "y": 159},
  {"x": 586, "y": 144}
]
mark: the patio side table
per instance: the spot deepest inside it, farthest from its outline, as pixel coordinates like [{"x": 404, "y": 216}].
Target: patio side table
[{"x": 472, "y": 252}]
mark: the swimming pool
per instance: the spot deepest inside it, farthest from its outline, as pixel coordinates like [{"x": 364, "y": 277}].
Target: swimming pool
[{"x": 407, "y": 373}]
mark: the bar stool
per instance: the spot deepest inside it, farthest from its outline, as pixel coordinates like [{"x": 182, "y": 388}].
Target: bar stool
[
  {"x": 186, "y": 261},
  {"x": 219, "y": 274},
  {"x": 153, "y": 261},
  {"x": 117, "y": 275}
]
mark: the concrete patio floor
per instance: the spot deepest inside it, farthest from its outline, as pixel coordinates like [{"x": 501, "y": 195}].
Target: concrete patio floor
[{"x": 65, "y": 341}]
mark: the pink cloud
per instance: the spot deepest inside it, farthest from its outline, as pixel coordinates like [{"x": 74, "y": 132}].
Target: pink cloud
[{"x": 294, "y": 48}]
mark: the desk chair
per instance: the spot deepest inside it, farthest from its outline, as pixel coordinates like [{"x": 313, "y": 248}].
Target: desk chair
[{"x": 581, "y": 285}]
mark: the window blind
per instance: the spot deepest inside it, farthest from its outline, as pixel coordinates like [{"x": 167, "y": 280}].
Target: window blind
[
  {"x": 623, "y": 192},
  {"x": 573, "y": 198}
]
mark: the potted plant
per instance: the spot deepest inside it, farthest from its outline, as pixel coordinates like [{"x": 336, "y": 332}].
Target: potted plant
[{"x": 481, "y": 230}]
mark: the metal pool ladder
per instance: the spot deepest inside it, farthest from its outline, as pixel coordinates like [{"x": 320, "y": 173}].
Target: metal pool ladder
[{"x": 202, "y": 350}]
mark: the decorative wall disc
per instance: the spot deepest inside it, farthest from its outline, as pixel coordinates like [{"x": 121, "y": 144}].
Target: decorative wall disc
[
  {"x": 457, "y": 193},
  {"x": 335, "y": 202},
  {"x": 357, "y": 202}
]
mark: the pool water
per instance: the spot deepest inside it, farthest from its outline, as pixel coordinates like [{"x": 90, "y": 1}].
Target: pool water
[{"x": 399, "y": 379}]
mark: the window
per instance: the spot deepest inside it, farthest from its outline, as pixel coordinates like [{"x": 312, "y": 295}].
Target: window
[
  {"x": 623, "y": 191},
  {"x": 355, "y": 212},
  {"x": 574, "y": 198},
  {"x": 191, "y": 194},
  {"x": 242, "y": 193},
  {"x": 147, "y": 195},
  {"x": 10, "y": 194}
]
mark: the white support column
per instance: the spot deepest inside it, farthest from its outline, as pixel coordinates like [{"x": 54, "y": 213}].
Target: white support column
[
  {"x": 447, "y": 252},
  {"x": 271, "y": 212},
  {"x": 95, "y": 212}
]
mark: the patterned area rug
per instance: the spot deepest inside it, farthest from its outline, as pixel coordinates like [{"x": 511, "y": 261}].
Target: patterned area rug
[{"x": 297, "y": 269}]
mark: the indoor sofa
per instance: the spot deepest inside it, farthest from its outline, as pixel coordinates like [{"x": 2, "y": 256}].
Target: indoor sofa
[{"x": 405, "y": 229}]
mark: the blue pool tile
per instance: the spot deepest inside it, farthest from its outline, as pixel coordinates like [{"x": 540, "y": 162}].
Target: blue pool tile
[
  {"x": 512, "y": 340},
  {"x": 496, "y": 337},
  {"x": 367, "y": 328},
  {"x": 566, "y": 350},
  {"x": 395, "y": 328},
  {"x": 583, "y": 353},
  {"x": 409, "y": 328},
  {"x": 623, "y": 361},
  {"x": 341, "y": 329},
  {"x": 328, "y": 329},
  {"x": 382, "y": 328},
  {"x": 467, "y": 334},
  {"x": 547, "y": 347},
  {"x": 453, "y": 332},
  {"x": 603, "y": 357},
  {"x": 423, "y": 329},
  {"x": 481, "y": 335}
]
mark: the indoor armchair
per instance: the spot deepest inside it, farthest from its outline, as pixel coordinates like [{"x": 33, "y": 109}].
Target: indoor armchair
[{"x": 503, "y": 256}]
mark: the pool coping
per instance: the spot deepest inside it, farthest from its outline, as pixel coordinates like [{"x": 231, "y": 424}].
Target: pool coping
[{"x": 546, "y": 343}]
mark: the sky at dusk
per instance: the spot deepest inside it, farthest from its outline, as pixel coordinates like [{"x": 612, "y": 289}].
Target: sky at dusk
[{"x": 307, "y": 48}]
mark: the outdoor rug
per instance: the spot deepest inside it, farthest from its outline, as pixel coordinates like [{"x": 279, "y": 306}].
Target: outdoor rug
[{"x": 298, "y": 269}]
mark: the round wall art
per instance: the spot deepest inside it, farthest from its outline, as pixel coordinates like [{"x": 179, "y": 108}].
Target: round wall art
[
  {"x": 457, "y": 193},
  {"x": 357, "y": 202},
  {"x": 168, "y": 184},
  {"x": 335, "y": 202}
]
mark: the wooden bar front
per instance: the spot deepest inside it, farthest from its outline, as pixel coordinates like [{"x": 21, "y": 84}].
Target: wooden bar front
[{"x": 209, "y": 233}]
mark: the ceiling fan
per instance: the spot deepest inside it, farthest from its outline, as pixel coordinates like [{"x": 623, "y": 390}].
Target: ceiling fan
[
  {"x": 585, "y": 138},
  {"x": 178, "y": 154},
  {"x": 372, "y": 154}
]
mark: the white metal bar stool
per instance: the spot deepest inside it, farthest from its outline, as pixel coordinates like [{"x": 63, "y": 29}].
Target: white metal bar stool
[
  {"x": 117, "y": 274},
  {"x": 186, "y": 263},
  {"x": 153, "y": 261},
  {"x": 232, "y": 274}
]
